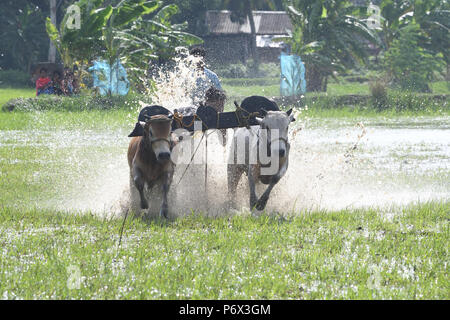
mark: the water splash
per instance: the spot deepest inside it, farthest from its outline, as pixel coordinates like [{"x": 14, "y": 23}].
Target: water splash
[{"x": 174, "y": 85}]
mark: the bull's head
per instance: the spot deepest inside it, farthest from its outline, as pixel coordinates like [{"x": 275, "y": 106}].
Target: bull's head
[
  {"x": 275, "y": 125},
  {"x": 157, "y": 129}
]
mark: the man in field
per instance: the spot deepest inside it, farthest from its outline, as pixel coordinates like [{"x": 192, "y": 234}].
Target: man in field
[{"x": 207, "y": 78}]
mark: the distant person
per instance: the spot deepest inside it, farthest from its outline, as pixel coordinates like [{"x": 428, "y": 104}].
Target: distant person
[
  {"x": 43, "y": 83},
  {"x": 210, "y": 79},
  {"x": 70, "y": 83},
  {"x": 57, "y": 83},
  {"x": 215, "y": 98}
]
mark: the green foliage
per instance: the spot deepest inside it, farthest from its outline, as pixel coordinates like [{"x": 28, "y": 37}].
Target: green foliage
[
  {"x": 409, "y": 65},
  {"x": 328, "y": 36},
  {"x": 22, "y": 35},
  {"x": 433, "y": 16},
  {"x": 239, "y": 70},
  {"x": 312, "y": 255},
  {"x": 193, "y": 12},
  {"x": 394, "y": 15},
  {"x": 76, "y": 103},
  {"x": 378, "y": 95},
  {"x": 410, "y": 101},
  {"x": 14, "y": 78},
  {"x": 394, "y": 102},
  {"x": 232, "y": 71},
  {"x": 134, "y": 32}
]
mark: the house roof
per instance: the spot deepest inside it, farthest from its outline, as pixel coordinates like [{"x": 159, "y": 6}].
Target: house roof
[{"x": 266, "y": 23}]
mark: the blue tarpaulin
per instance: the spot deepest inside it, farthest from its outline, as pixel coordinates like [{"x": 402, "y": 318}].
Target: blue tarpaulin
[
  {"x": 292, "y": 75},
  {"x": 108, "y": 78}
]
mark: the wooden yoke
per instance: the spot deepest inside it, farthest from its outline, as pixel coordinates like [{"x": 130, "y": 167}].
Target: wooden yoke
[{"x": 244, "y": 116}]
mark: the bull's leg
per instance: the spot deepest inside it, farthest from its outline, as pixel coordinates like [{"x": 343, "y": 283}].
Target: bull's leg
[
  {"x": 234, "y": 173},
  {"x": 222, "y": 136},
  {"x": 167, "y": 180},
  {"x": 140, "y": 183},
  {"x": 251, "y": 184},
  {"x": 262, "y": 202}
]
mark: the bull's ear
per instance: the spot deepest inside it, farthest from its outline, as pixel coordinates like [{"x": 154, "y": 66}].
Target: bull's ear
[
  {"x": 138, "y": 130},
  {"x": 259, "y": 120},
  {"x": 291, "y": 116}
]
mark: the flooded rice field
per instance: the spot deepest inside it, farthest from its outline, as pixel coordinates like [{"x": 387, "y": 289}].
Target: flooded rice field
[{"x": 334, "y": 164}]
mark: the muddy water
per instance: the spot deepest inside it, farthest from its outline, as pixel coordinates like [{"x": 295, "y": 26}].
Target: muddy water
[
  {"x": 334, "y": 164},
  {"x": 369, "y": 162}
]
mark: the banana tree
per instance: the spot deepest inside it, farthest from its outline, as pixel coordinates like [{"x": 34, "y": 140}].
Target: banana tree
[
  {"x": 144, "y": 39},
  {"x": 132, "y": 32},
  {"x": 80, "y": 45}
]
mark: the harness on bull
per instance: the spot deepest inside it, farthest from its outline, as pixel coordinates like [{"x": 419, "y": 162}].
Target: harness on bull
[{"x": 243, "y": 116}]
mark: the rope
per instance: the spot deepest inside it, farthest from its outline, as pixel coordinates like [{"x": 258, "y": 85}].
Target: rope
[
  {"x": 192, "y": 158},
  {"x": 206, "y": 169},
  {"x": 179, "y": 118},
  {"x": 240, "y": 116},
  {"x": 123, "y": 224}
]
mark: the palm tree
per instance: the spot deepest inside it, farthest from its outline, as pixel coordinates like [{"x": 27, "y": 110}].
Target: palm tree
[{"x": 329, "y": 37}]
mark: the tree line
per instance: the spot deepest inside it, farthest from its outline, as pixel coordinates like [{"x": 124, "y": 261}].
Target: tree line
[{"x": 411, "y": 42}]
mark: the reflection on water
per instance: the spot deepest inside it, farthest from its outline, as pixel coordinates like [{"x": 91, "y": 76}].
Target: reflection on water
[{"x": 395, "y": 162}]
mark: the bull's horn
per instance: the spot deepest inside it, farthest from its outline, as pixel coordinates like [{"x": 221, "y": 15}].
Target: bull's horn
[{"x": 263, "y": 112}]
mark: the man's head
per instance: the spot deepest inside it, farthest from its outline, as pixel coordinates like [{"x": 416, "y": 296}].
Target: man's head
[
  {"x": 215, "y": 98},
  {"x": 43, "y": 73},
  {"x": 200, "y": 53},
  {"x": 56, "y": 75}
]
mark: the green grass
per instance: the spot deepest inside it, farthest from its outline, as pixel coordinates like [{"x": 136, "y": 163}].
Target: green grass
[
  {"x": 400, "y": 253},
  {"x": 272, "y": 88},
  {"x": 316, "y": 255},
  {"x": 7, "y": 94},
  {"x": 440, "y": 87}
]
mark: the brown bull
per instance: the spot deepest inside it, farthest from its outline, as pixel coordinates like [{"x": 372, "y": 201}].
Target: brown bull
[{"x": 149, "y": 158}]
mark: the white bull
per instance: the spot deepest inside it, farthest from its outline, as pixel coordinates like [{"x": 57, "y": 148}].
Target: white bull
[{"x": 262, "y": 152}]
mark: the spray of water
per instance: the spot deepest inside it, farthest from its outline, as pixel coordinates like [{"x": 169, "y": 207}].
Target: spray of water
[
  {"x": 327, "y": 167},
  {"x": 175, "y": 87}
]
